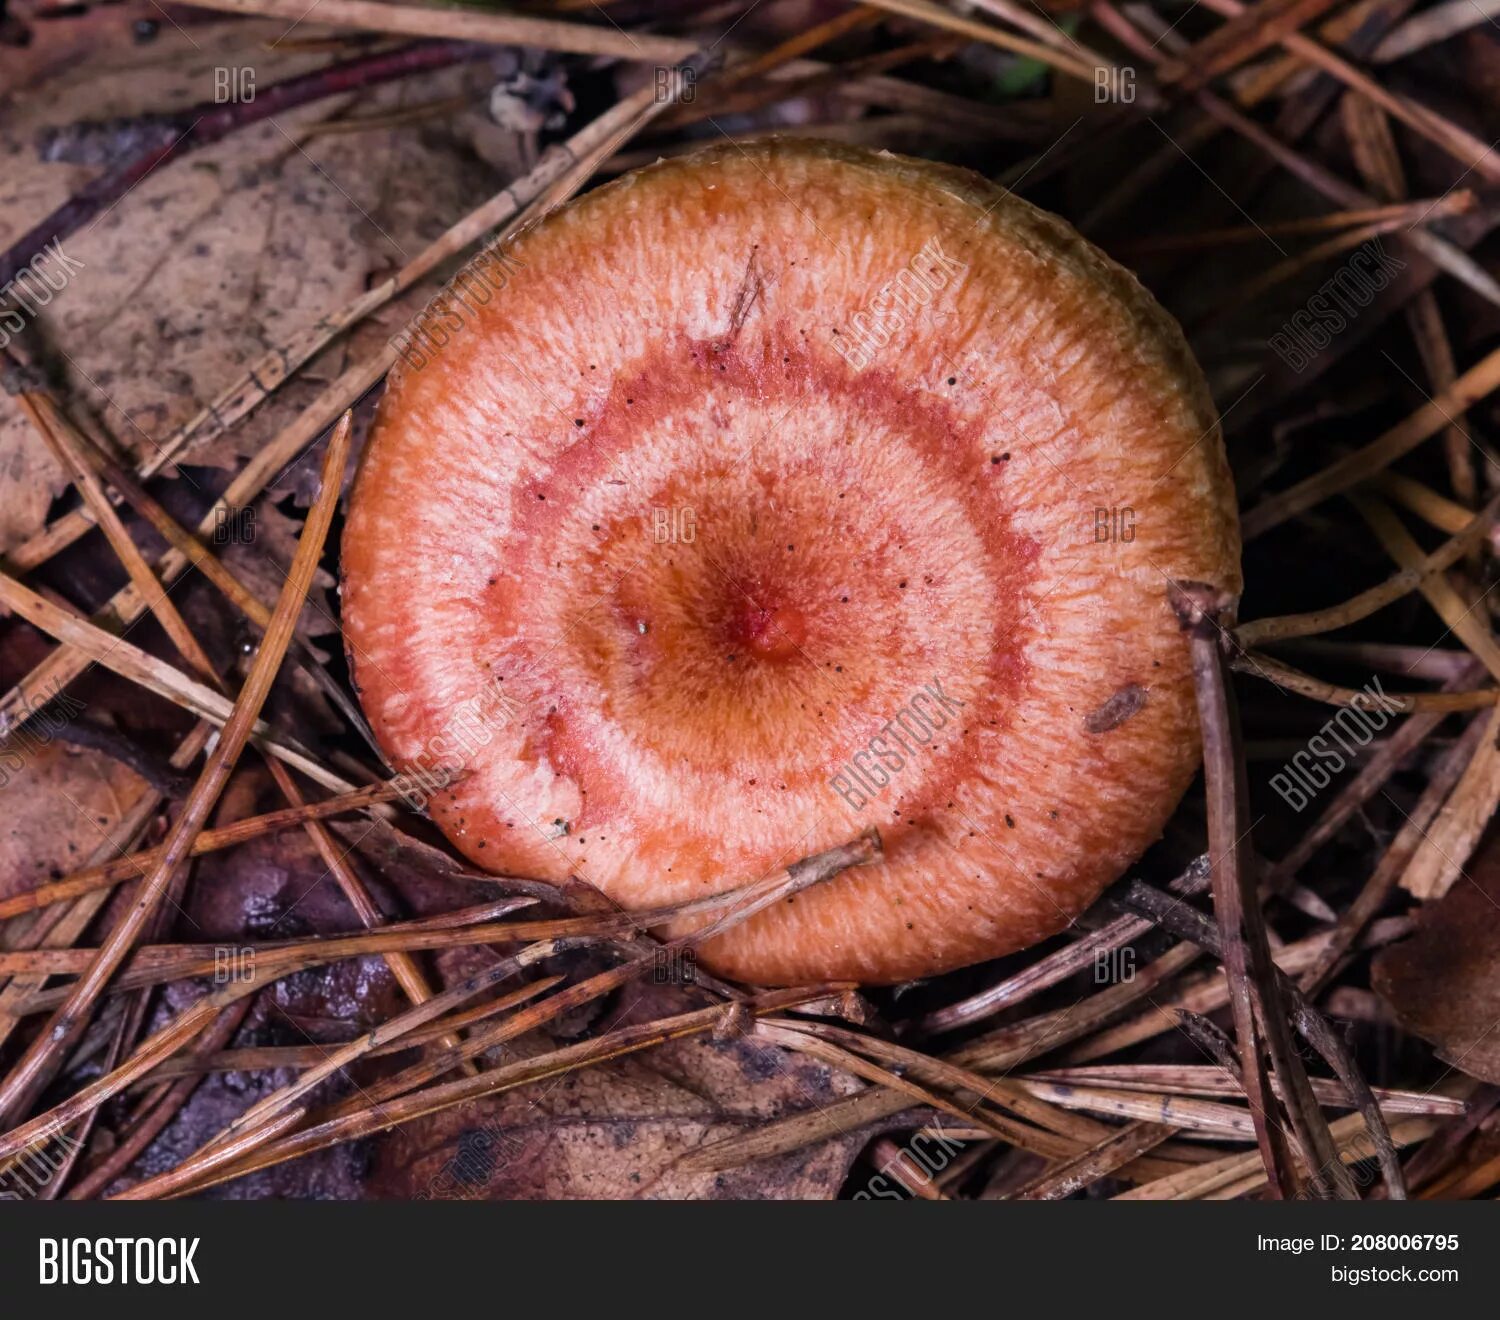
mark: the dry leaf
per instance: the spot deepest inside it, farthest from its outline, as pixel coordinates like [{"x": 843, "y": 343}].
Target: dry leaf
[
  {"x": 259, "y": 555},
  {"x": 614, "y": 1131},
  {"x": 1456, "y": 829},
  {"x": 58, "y": 806},
  {"x": 1444, "y": 982},
  {"x": 52, "y": 45},
  {"x": 215, "y": 258},
  {"x": 274, "y": 887}
]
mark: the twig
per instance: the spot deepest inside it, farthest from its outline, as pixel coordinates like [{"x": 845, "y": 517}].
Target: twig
[
  {"x": 1410, "y": 578},
  {"x": 1261, "y": 665},
  {"x": 1248, "y": 92},
  {"x": 470, "y": 25},
  {"x": 70, "y": 458},
  {"x": 738, "y": 905},
  {"x": 107, "y": 874},
  {"x": 1397, "y": 857},
  {"x": 63, "y": 666},
  {"x": 1058, "y": 966},
  {"x": 1454, "y": 833},
  {"x": 92, "y": 643},
  {"x": 1248, "y": 32},
  {"x": 1373, "y": 146},
  {"x": 157, "y": 1110},
  {"x": 74, "y": 457},
  {"x": 999, "y": 1050},
  {"x": 1043, "y": 53},
  {"x": 1430, "y": 1161},
  {"x": 270, "y": 1058},
  {"x": 1115, "y": 1151},
  {"x": 1282, "y": 271},
  {"x": 893, "y": 1160},
  {"x": 1040, "y": 26},
  {"x": 1190, "y": 924},
  {"x": 1475, "y": 384},
  {"x": 1196, "y": 1079},
  {"x": 802, "y": 43},
  {"x": 1362, "y": 788},
  {"x": 1254, "y": 986},
  {"x": 1440, "y": 664},
  {"x": 802, "y": 1038},
  {"x": 20, "y": 1085},
  {"x": 1434, "y": 25},
  {"x": 900, "y": 1065},
  {"x": 199, "y": 556},
  {"x": 375, "y": 1118},
  {"x": 1462, "y": 145},
  {"x": 62, "y": 926},
  {"x": 1441, "y": 252},
  {"x": 1434, "y": 509},
  {"x": 1178, "y": 1112},
  {"x": 1209, "y": 992},
  {"x": 1459, "y": 202},
  {"x": 339, "y": 1058},
  {"x": 1240, "y": 1175},
  {"x": 127, "y": 1027}
]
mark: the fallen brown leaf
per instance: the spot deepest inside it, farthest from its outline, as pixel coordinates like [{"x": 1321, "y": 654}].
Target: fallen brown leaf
[
  {"x": 1444, "y": 982},
  {"x": 60, "y": 806},
  {"x": 616, "y": 1131},
  {"x": 213, "y": 259}
]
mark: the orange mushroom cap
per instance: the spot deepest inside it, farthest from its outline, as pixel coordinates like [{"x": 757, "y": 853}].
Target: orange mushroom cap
[{"x": 778, "y": 491}]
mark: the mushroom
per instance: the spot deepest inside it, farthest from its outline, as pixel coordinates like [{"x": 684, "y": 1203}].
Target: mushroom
[{"x": 775, "y": 492}]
